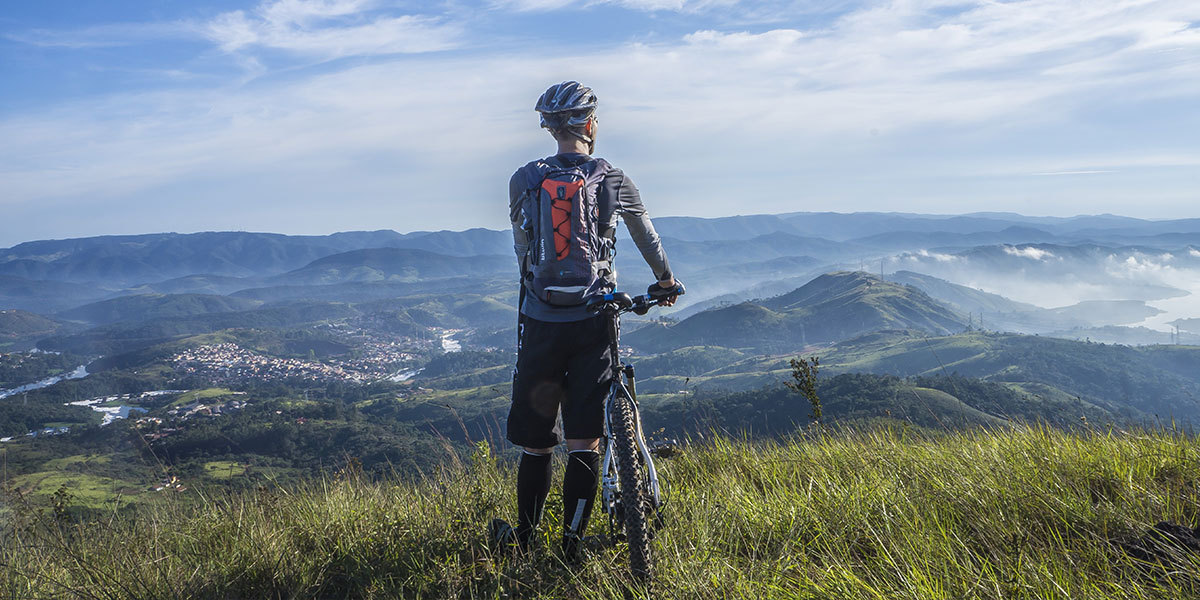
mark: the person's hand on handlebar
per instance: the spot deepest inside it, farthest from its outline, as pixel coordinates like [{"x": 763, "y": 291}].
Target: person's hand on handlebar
[{"x": 665, "y": 292}]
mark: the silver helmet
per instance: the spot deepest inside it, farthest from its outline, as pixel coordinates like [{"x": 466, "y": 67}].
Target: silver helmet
[{"x": 568, "y": 106}]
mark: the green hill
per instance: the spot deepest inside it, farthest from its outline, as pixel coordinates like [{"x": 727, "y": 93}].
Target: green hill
[
  {"x": 145, "y": 307},
  {"x": 128, "y": 336},
  {"x": 830, "y": 308},
  {"x": 1021, "y": 513},
  {"x": 21, "y": 324},
  {"x": 1115, "y": 382},
  {"x": 1138, "y": 382}
]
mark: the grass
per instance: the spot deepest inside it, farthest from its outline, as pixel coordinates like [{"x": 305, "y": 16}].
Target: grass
[
  {"x": 194, "y": 395},
  {"x": 87, "y": 490},
  {"x": 1026, "y": 513},
  {"x": 77, "y": 461},
  {"x": 223, "y": 469}
]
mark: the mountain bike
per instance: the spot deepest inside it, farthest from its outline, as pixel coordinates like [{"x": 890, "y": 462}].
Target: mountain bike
[{"x": 630, "y": 493}]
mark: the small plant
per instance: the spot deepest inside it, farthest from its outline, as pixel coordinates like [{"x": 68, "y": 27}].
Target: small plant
[
  {"x": 62, "y": 505},
  {"x": 804, "y": 382}
]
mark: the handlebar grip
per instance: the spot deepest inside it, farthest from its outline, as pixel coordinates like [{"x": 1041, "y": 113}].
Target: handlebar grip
[{"x": 657, "y": 292}]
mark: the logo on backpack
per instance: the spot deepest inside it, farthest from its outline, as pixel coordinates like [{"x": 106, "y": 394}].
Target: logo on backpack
[{"x": 568, "y": 255}]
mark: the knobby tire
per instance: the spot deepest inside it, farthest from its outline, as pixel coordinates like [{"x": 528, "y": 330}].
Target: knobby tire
[{"x": 633, "y": 497}]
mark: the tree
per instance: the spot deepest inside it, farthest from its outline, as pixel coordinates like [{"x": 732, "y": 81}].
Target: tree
[{"x": 804, "y": 382}]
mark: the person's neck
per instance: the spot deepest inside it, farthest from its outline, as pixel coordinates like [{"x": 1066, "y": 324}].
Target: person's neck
[{"x": 573, "y": 145}]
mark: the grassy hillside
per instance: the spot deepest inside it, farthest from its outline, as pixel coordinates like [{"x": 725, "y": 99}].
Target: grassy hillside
[
  {"x": 830, "y": 308},
  {"x": 1140, "y": 382},
  {"x": 1027, "y": 513}
]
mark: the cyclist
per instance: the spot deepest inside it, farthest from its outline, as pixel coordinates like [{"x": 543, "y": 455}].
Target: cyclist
[{"x": 563, "y": 360}]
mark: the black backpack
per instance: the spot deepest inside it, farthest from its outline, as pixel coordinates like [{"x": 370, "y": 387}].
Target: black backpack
[{"x": 568, "y": 256}]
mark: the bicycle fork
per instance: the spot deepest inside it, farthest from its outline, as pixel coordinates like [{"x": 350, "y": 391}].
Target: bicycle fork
[{"x": 610, "y": 491}]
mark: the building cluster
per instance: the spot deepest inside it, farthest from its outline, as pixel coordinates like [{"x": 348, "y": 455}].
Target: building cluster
[
  {"x": 214, "y": 409},
  {"x": 370, "y": 361},
  {"x": 376, "y": 359},
  {"x": 229, "y": 362}
]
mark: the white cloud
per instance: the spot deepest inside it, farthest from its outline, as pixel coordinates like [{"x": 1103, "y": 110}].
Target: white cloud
[
  {"x": 104, "y": 36},
  {"x": 920, "y": 255},
  {"x": 330, "y": 29},
  {"x": 1059, "y": 173},
  {"x": 1194, "y": 252},
  {"x": 644, "y": 5},
  {"x": 1030, "y": 252},
  {"x": 325, "y": 29}
]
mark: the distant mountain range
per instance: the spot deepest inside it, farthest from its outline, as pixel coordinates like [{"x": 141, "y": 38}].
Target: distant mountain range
[
  {"x": 142, "y": 259},
  {"x": 986, "y": 265}
]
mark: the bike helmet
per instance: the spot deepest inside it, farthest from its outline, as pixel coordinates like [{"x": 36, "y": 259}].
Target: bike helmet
[{"x": 568, "y": 106}]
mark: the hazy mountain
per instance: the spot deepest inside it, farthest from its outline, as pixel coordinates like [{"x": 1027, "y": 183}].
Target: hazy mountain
[
  {"x": 472, "y": 242},
  {"x": 128, "y": 260},
  {"x": 959, "y": 296},
  {"x": 197, "y": 284},
  {"x": 894, "y": 241},
  {"x": 21, "y": 324},
  {"x": 850, "y": 226},
  {"x": 1130, "y": 336},
  {"x": 392, "y": 265},
  {"x": 155, "y": 306},
  {"x": 364, "y": 292},
  {"x": 45, "y": 296},
  {"x": 120, "y": 261},
  {"x": 742, "y": 227},
  {"x": 993, "y": 311},
  {"x": 1115, "y": 312},
  {"x": 832, "y": 307}
]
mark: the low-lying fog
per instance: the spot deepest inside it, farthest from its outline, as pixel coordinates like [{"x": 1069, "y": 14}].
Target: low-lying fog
[{"x": 1052, "y": 276}]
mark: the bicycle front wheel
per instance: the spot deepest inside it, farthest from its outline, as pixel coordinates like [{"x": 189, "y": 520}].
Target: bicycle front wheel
[{"x": 634, "y": 502}]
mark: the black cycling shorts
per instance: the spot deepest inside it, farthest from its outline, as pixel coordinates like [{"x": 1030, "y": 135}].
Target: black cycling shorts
[{"x": 563, "y": 366}]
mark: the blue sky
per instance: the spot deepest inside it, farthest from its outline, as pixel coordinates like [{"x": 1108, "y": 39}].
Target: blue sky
[{"x": 314, "y": 116}]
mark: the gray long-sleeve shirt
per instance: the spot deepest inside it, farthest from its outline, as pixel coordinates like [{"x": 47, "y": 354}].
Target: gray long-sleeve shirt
[{"x": 617, "y": 196}]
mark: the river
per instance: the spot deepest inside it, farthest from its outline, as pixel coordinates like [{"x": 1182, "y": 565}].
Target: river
[
  {"x": 112, "y": 413},
  {"x": 79, "y": 373}
]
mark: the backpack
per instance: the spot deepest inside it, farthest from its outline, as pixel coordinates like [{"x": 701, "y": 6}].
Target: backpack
[{"x": 568, "y": 257}]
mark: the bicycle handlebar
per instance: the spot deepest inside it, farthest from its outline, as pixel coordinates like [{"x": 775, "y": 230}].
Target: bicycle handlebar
[{"x": 621, "y": 302}]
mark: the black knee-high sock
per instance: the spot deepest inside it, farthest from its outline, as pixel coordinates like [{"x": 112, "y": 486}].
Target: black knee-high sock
[
  {"x": 533, "y": 484},
  {"x": 579, "y": 490}
]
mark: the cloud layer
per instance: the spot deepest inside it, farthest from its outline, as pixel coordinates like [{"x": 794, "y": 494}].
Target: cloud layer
[{"x": 902, "y": 105}]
